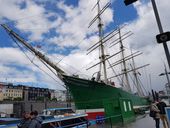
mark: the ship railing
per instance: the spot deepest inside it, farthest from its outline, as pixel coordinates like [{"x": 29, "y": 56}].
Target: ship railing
[{"x": 84, "y": 124}]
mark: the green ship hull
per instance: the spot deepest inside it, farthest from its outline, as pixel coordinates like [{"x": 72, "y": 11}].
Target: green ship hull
[{"x": 88, "y": 94}]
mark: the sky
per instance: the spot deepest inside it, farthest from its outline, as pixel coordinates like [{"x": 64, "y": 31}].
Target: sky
[{"x": 59, "y": 29}]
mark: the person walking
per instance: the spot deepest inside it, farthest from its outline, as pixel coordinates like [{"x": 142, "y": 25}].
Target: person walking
[
  {"x": 35, "y": 120},
  {"x": 25, "y": 122},
  {"x": 154, "y": 109},
  {"x": 161, "y": 106}
]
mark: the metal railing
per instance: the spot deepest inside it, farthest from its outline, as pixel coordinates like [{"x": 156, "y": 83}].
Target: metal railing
[{"x": 99, "y": 122}]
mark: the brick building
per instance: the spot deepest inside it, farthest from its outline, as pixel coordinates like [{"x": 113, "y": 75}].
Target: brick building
[{"x": 9, "y": 91}]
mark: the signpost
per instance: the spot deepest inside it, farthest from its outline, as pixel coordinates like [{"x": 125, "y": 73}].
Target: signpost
[{"x": 163, "y": 37}]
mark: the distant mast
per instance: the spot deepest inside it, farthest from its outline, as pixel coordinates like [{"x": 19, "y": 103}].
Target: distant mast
[
  {"x": 124, "y": 63},
  {"x": 135, "y": 73}
]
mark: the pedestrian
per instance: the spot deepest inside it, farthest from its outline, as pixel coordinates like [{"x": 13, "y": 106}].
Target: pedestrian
[
  {"x": 35, "y": 120},
  {"x": 156, "y": 116},
  {"x": 25, "y": 122},
  {"x": 161, "y": 106}
]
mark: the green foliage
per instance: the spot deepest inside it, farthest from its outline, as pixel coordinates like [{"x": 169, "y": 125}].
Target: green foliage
[
  {"x": 7, "y": 99},
  {"x": 54, "y": 99},
  {"x": 40, "y": 98},
  {"x": 18, "y": 99}
]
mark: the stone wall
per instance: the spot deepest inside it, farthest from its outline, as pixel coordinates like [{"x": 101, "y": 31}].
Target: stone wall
[
  {"x": 20, "y": 106},
  {"x": 39, "y": 106}
]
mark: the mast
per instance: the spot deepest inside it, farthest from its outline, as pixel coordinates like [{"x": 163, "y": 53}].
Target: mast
[
  {"x": 122, "y": 61},
  {"x": 124, "y": 64},
  {"x": 139, "y": 89},
  {"x": 103, "y": 56},
  {"x": 36, "y": 52},
  {"x": 101, "y": 41}
]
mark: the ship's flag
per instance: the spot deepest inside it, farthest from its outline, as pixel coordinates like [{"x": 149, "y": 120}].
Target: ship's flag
[{"x": 38, "y": 46}]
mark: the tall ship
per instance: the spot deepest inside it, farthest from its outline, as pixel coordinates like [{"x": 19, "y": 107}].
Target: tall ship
[{"x": 90, "y": 95}]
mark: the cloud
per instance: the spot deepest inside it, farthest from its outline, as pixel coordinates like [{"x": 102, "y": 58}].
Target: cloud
[
  {"x": 15, "y": 67},
  {"x": 31, "y": 18},
  {"x": 10, "y": 61},
  {"x": 74, "y": 29}
]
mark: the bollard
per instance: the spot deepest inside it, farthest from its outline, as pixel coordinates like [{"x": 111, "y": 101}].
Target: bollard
[{"x": 110, "y": 122}]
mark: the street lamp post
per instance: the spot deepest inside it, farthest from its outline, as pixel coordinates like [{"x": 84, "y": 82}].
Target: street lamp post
[
  {"x": 161, "y": 31},
  {"x": 127, "y": 2}
]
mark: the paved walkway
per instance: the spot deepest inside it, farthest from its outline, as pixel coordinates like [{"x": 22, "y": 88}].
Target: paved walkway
[
  {"x": 140, "y": 122},
  {"x": 143, "y": 122}
]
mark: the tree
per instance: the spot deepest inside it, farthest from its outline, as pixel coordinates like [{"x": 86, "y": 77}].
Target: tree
[
  {"x": 18, "y": 99},
  {"x": 40, "y": 98}
]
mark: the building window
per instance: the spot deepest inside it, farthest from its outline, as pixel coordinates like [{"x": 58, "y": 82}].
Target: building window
[
  {"x": 124, "y": 104},
  {"x": 129, "y": 106}
]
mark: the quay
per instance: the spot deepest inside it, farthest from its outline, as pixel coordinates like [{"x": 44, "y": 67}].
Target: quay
[{"x": 143, "y": 121}]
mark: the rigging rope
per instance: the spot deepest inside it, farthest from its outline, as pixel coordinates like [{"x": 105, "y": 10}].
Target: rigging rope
[
  {"x": 34, "y": 63},
  {"x": 114, "y": 71},
  {"x": 134, "y": 84},
  {"x": 143, "y": 86}
]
